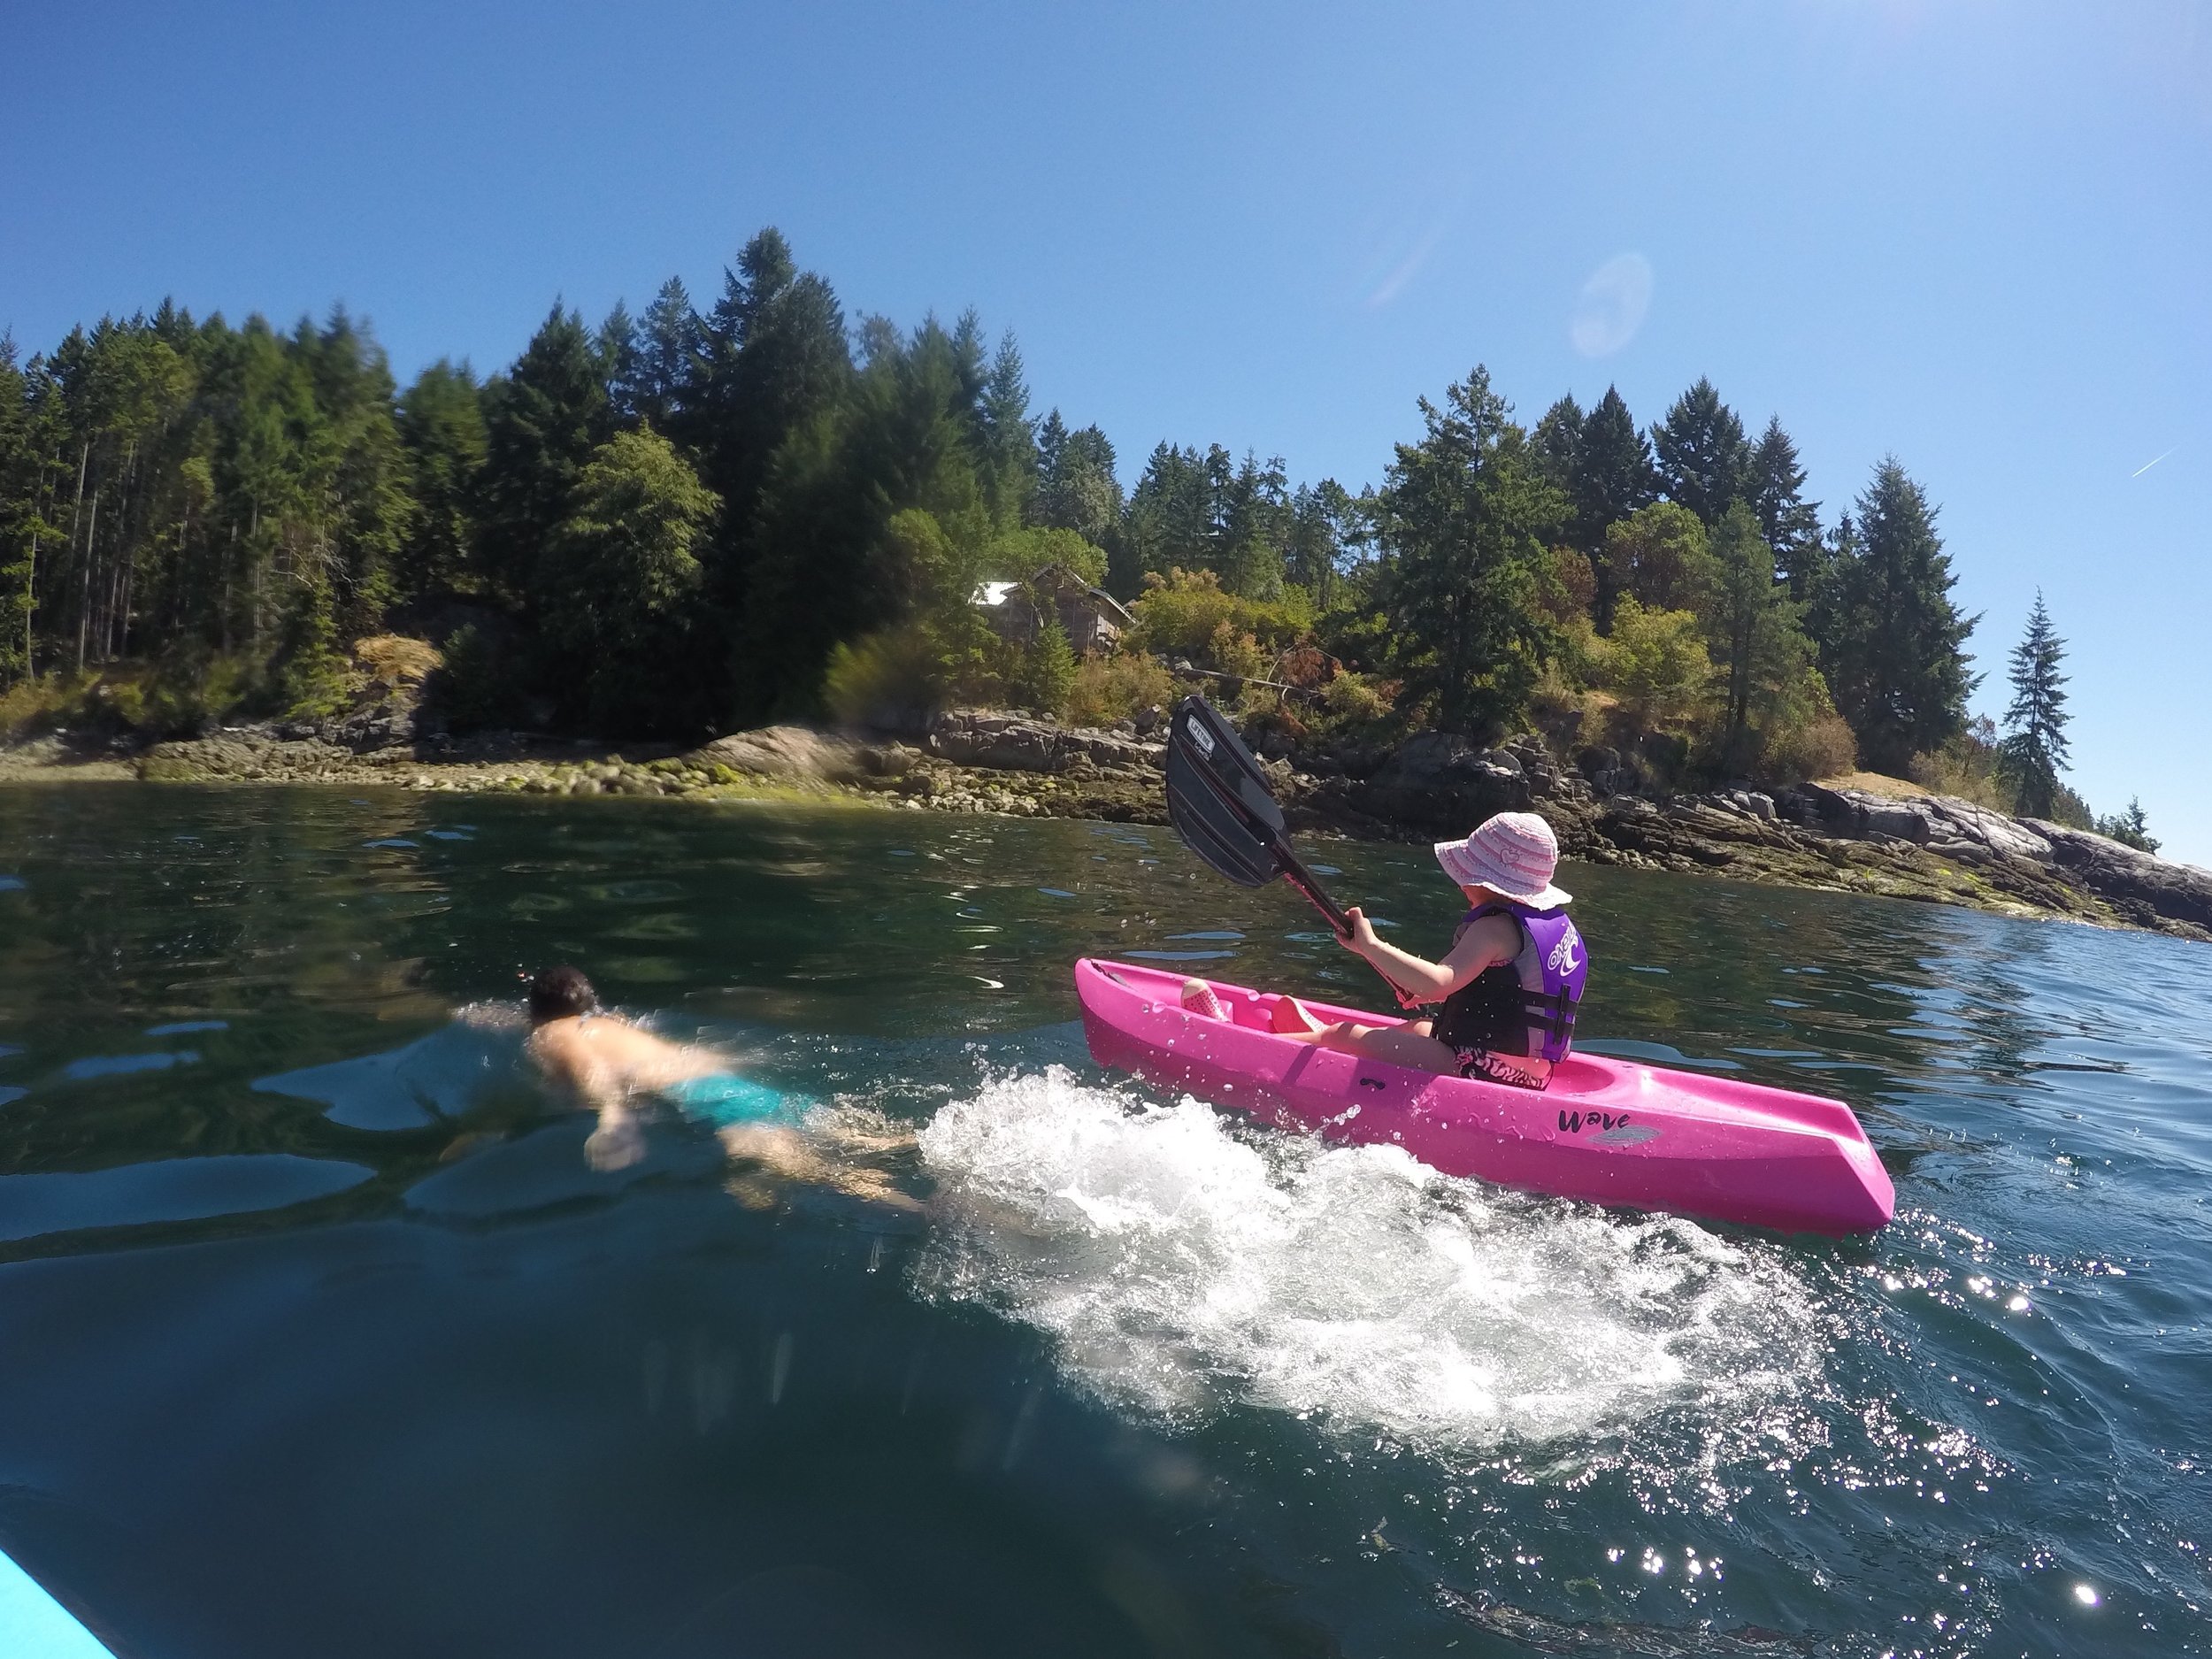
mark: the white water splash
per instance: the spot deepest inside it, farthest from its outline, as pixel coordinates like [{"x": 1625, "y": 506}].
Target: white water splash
[{"x": 1179, "y": 1266}]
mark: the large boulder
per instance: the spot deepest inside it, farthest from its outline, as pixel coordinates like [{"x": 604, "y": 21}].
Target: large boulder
[
  {"x": 790, "y": 754},
  {"x": 2114, "y": 871}
]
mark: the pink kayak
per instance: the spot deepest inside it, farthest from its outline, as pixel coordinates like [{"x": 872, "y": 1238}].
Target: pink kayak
[{"x": 1608, "y": 1131}]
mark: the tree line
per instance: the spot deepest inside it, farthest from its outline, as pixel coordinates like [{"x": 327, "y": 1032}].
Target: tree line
[{"x": 693, "y": 520}]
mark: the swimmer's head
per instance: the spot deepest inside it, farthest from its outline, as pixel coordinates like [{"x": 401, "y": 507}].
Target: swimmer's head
[{"x": 560, "y": 993}]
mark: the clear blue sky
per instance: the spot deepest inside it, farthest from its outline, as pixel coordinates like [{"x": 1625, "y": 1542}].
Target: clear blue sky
[{"x": 1971, "y": 232}]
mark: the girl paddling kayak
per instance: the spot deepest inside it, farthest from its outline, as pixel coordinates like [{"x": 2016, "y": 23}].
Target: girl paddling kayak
[{"x": 1509, "y": 986}]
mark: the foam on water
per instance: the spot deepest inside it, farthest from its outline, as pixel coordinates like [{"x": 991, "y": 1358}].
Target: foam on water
[{"x": 1182, "y": 1264}]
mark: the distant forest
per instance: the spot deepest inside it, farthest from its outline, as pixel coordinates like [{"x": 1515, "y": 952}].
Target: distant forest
[{"x": 684, "y": 523}]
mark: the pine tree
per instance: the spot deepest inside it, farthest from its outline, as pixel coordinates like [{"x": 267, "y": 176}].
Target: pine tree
[
  {"x": 671, "y": 355},
  {"x": 1325, "y": 526},
  {"x": 1010, "y": 436},
  {"x": 1614, "y": 478},
  {"x": 2034, "y": 749},
  {"x": 1892, "y": 644},
  {"x": 442, "y": 424},
  {"x": 543, "y": 420},
  {"x": 1461, "y": 519},
  {"x": 776, "y": 358},
  {"x": 1704, "y": 462},
  {"x": 1790, "y": 523},
  {"x": 1557, "y": 442},
  {"x": 1753, "y": 626},
  {"x": 1077, "y": 490},
  {"x": 1255, "y": 521}
]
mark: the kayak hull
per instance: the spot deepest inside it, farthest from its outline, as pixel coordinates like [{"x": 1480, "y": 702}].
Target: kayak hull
[{"x": 1609, "y": 1131}]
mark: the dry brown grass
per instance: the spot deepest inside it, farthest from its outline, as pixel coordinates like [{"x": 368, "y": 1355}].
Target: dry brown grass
[
  {"x": 1874, "y": 783},
  {"x": 396, "y": 659}
]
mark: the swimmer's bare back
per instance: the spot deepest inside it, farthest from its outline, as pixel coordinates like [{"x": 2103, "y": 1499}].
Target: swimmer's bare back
[{"x": 604, "y": 1061}]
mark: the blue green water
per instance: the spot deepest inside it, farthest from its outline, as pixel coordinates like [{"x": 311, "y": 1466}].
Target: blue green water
[{"x": 317, "y": 1336}]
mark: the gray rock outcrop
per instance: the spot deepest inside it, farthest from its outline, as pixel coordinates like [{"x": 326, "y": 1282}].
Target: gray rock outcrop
[
  {"x": 1013, "y": 743},
  {"x": 2182, "y": 893}
]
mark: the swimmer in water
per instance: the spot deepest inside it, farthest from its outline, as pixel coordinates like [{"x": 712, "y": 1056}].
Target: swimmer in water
[{"x": 606, "y": 1063}]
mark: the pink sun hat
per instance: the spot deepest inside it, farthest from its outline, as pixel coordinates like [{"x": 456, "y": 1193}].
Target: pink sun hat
[{"x": 1513, "y": 855}]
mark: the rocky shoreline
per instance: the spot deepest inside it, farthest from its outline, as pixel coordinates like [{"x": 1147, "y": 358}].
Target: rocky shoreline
[{"x": 1930, "y": 847}]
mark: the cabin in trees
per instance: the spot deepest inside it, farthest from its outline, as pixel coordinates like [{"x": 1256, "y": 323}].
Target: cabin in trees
[{"x": 1093, "y": 619}]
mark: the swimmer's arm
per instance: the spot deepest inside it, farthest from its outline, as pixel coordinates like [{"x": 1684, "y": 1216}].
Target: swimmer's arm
[{"x": 619, "y": 1141}]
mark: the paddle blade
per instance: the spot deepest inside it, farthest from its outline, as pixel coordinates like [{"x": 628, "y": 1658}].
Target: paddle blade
[{"x": 1218, "y": 798}]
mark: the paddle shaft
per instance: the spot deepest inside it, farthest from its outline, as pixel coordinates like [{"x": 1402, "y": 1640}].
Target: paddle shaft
[
  {"x": 1203, "y": 755},
  {"x": 1309, "y": 888}
]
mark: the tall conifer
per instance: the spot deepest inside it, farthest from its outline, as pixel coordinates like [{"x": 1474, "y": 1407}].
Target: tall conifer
[
  {"x": 1790, "y": 523},
  {"x": 1613, "y": 478},
  {"x": 1704, "y": 462},
  {"x": 1892, "y": 643},
  {"x": 2034, "y": 749}
]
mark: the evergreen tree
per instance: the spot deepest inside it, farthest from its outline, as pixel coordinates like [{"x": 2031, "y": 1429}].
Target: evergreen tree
[
  {"x": 1255, "y": 523},
  {"x": 622, "y": 361},
  {"x": 776, "y": 361},
  {"x": 543, "y": 420},
  {"x": 619, "y": 574},
  {"x": 365, "y": 501},
  {"x": 1177, "y": 512},
  {"x": 1461, "y": 522},
  {"x": 1077, "y": 490},
  {"x": 1613, "y": 478},
  {"x": 2034, "y": 749},
  {"x": 1704, "y": 462},
  {"x": 1325, "y": 527},
  {"x": 442, "y": 424},
  {"x": 906, "y": 439},
  {"x": 19, "y": 483},
  {"x": 1758, "y": 646},
  {"x": 1557, "y": 443},
  {"x": 671, "y": 357},
  {"x": 2130, "y": 828},
  {"x": 1010, "y": 436},
  {"x": 1892, "y": 644},
  {"x": 1790, "y": 523}
]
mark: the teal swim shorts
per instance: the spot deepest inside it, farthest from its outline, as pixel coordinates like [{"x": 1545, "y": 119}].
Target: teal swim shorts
[{"x": 727, "y": 1099}]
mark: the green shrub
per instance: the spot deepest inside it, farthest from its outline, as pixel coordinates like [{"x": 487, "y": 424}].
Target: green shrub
[
  {"x": 1655, "y": 662},
  {"x": 1968, "y": 767},
  {"x": 1113, "y": 688},
  {"x": 1184, "y": 613},
  {"x": 1821, "y": 748}
]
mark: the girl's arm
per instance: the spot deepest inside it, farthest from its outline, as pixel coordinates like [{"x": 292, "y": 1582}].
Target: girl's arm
[{"x": 1479, "y": 948}]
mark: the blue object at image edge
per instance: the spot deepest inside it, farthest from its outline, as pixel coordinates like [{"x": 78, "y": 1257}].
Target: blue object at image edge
[{"x": 33, "y": 1626}]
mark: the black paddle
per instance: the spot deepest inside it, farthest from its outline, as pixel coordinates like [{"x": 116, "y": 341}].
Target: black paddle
[{"x": 1218, "y": 802}]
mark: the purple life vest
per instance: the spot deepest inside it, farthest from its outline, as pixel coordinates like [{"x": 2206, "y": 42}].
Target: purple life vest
[{"x": 1524, "y": 1007}]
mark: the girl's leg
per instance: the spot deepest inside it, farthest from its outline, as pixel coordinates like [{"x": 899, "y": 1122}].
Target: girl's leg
[{"x": 1409, "y": 1045}]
